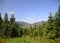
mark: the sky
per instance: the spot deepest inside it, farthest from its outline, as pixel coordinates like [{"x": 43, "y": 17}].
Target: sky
[{"x": 29, "y": 11}]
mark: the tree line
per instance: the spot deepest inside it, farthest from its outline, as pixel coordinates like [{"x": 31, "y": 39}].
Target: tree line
[
  {"x": 48, "y": 30},
  {"x": 8, "y": 28}
]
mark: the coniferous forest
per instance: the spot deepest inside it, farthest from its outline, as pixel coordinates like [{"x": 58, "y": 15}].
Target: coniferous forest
[{"x": 47, "y": 32}]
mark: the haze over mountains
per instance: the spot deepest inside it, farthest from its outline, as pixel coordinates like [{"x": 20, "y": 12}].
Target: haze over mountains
[{"x": 26, "y": 24}]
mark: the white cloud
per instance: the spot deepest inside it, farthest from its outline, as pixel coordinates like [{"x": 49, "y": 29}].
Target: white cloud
[{"x": 12, "y": 12}]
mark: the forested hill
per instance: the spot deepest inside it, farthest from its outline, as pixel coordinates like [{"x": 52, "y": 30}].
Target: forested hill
[{"x": 22, "y": 23}]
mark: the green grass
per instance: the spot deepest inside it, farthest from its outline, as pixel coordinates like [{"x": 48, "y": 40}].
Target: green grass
[
  {"x": 27, "y": 39},
  {"x": 24, "y": 39}
]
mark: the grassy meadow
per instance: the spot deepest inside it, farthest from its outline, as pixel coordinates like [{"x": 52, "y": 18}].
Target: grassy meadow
[{"x": 24, "y": 39}]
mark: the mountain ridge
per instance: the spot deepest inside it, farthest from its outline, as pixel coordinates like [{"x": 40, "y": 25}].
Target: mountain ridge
[{"x": 27, "y": 24}]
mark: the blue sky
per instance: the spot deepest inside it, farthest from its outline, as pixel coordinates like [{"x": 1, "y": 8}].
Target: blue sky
[{"x": 29, "y": 10}]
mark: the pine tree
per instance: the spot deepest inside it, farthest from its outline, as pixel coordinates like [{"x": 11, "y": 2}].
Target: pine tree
[
  {"x": 51, "y": 31},
  {"x": 13, "y": 27},
  {"x": 1, "y": 21},
  {"x": 57, "y": 22},
  {"x": 50, "y": 21},
  {"x": 6, "y": 25},
  {"x": 12, "y": 19},
  {"x": 14, "y": 32},
  {"x": 6, "y": 18},
  {"x": 59, "y": 12}
]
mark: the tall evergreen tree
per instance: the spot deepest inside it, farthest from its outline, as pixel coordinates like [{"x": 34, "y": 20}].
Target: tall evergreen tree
[
  {"x": 13, "y": 27},
  {"x": 59, "y": 12},
  {"x": 50, "y": 21},
  {"x": 57, "y": 22},
  {"x": 51, "y": 31},
  {"x": 6, "y": 18},
  {"x": 12, "y": 19},
  {"x": 0, "y": 20},
  {"x": 6, "y": 25}
]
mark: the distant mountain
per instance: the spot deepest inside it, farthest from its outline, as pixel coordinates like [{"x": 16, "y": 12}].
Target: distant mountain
[
  {"x": 22, "y": 23},
  {"x": 28, "y": 24},
  {"x": 41, "y": 22}
]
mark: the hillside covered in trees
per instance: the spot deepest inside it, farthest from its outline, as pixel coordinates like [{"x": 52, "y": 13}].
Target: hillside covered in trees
[{"x": 48, "y": 31}]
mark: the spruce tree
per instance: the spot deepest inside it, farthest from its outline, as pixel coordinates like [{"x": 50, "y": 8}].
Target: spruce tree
[
  {"x": 57, "y": 22},
  {"x": 51, "y": 31},
  {"x": 13, "y": 27},
  {"x": 12, "y": 19},
  {"x": 14, "y": 32},
  {"x": 50, "y": 21},
  {"x": 6, "y": 25},
  {"x": 1, "y": 21},
  {"x": 6, "y": 18}
]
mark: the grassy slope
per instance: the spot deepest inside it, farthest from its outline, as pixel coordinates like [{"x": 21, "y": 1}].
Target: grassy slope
[{"x": 25, "y": 39}]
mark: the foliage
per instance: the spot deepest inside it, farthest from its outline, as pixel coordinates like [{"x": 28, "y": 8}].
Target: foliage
[{"x": 47, "y": 32}]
